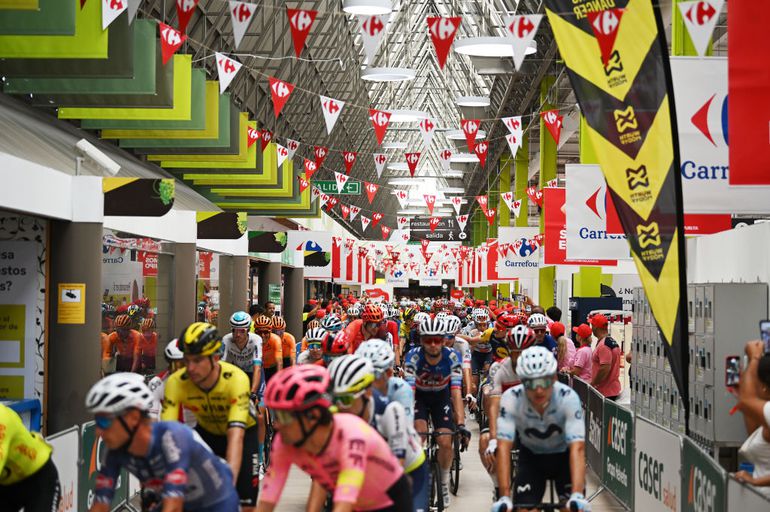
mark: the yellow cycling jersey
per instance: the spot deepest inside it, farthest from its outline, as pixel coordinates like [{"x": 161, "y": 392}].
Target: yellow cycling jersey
[
  {"x": 22, "y": 453},
  {"x": 225, "y": 405}
]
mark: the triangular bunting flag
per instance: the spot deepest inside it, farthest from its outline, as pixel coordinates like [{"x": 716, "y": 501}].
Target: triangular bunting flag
[
  {"x": 133, "y": 8},
  {"x": 266, "y": 136},
  {"x": 365, "y": 221},
  {"x": 516, "y": 207},
  {"x": 349, "y": 157},
  {"x": 385, "y": 231},
  {"x": 462, "y": 220},
  {"x": 379, "y": 163},
  {"x": 508, "y": 199},
  {"x": 490, "y": 215},
  {"x": 513, "y": 124},
  {"x": 303, "y": 184},
  {"x": 553, "y": 122},
  {"x": 521, "y": 32},
  {"x": 184, "y": 11},
  {"x": 605, "y": 25},
  {"x": 404, "y": 235},
  {"x": 402, "y": 196},
  {"x": 331, "y": 203},
  {"x": 241, "y": 14},
  {"x": 376, "y": 218},
  {"x": 354, "y": 210},
  {"x": 430, "y": 200},
  {"x": 380, "y": 120},
  {"x": 442, "y": 33},
  {"x": 445, "y": 157},
  {"x": 279, "y": 91},
  {"x": 281, "y": 154},
  {"x": 314, "y": 192},
  {"x": 227, "y": 69},
  {"x": 320, "y": 153},
  {"x": 427, "y": 129},
  {"x": 552, "y": 183},
  {"x": 372, "y": 30},
  {"x": 331, "y": 109},
  {"x": 300, "y": 22},
  {"x": 341, "y": 180},
  {"x": 345, "y": 211},
  {"x": 433, "y": 223},
  {"x": 292, "y": 145},
  {"x": 483, "y": 202},
  {"x": 457, "y": 202},
  {"x": 111, "y": 9},
  {"x": 170, "y": 41},
  {"x": 535, "y": 195},
  {"x": 412, "y": 159},
  {"x": 310, "y": 168},
  {"x": 324, "y": 199},
  {"x": 402, "y": 222},
  {"x": 371, "y": 189},
  {"x": 700, "y": 18},
  {"x": 514, "y": 143},
  {"x": 481, "y": 152},
  {"x": 470, "y": 129}
]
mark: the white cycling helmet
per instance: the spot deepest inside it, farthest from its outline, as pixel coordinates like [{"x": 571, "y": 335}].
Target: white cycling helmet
[
  {"x": 453, "y": 324},
  {"x": 537, "y": 320},
  {"x": 332, "y": 323},
  {"x": 379, "y": 352},
  {"x": 350, "y": 374},
  {"x": 354, "y": 310},
  {"x": 536, "y": 362},
  {"x": 442, "y": 314},
  {"x": 117, "y": 393},
  {"x": 480, "y": 315},
  {"x": 172, "y": 351},
  {"x": 315, "y": 334},
  {"x": 240, "y": 320},
  {"x": 433, "y": 327},
  {"x": 420, "y": 317}
]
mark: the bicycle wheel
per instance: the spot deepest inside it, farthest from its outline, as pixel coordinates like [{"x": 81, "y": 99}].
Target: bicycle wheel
[
  {"x": 268, "y": 440},
  {"x": 454, "y": 473},
  {"x": 436, "y": 499}
]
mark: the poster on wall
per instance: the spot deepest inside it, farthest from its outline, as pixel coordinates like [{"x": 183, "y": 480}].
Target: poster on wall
[
  {"x": 380, "y": 292},
  {"x": 314, "y": 250},
  {"x": 523, "y": 255}
]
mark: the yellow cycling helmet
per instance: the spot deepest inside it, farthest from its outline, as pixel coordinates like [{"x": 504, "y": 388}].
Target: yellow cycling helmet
[{"x": 201, "y": 339}]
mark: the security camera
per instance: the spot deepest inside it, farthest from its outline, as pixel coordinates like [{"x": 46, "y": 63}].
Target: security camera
[{"x": 89, "y": 150}]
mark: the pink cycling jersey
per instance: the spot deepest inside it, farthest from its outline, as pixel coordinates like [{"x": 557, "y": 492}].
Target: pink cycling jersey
[{"x": 357, "y": 466}]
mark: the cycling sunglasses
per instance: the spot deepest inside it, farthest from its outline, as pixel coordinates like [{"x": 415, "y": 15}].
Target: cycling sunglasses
[
  {"x": 284, "y": 417},
  {"x": 104, "y": 422},
  {"x": 346, "y": 401},
  {"x": 541, "y": 382},
  {"x": 539, "y": 330},
  {"x": 314, "y": 346},
  {"x": 432, "y": 340},
  {"x": 264, "y": 333}
]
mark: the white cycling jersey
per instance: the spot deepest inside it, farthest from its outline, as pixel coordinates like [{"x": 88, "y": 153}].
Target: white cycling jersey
[
  {"x": 464, "y": 348},
  {"x": 560, "y": 425},
  {"x": 245, "y": 358},
  {"x": 502, "y": 376},
  {"x": 390, "y": 420}
]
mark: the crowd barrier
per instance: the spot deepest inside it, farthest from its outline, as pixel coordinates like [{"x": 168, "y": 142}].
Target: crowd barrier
[{"x": 651, "y": 468}]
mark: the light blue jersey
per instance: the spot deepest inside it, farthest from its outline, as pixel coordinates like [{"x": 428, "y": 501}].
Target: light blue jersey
[{"x": 399, "y": 391}]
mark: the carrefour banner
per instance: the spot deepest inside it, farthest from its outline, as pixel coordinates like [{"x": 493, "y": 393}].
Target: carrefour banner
[
  {"x": 617, "y": 60},
  {"x": 523, "y": 255}
]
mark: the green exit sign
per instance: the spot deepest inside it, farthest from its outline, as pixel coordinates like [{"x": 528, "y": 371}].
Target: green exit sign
[{"x": 330, "y": 187}]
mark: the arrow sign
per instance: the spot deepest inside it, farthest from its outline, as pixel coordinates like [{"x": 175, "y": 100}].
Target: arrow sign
[
  {"x": 442, "y": 33},
  {"x": 279, "y": 91},
  {"x": 412, "y": 159},
  {"x": 521, "y": 31},
  {"x": 300, "y": 22},
  {"x": 380, "y": 120},
  {"x": 331, "y": 109},
  {"x": 371, "y": 189},
  {"x": 349, "y": 157},
  {"x": 470, "y": 128}
]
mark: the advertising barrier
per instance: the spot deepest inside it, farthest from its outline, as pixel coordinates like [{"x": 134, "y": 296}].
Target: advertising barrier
[
  {"x": 594, "y": 432},
  {"x": 657, "y": 459},
  {"x": 744, "y": 498},
  {"x": 704, "y": 482},
  {"x": 66, "y": 458},
  {"x": 618, "y": 441}
]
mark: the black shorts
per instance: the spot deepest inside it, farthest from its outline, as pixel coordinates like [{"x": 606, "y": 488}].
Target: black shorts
[
  {"x": 287, "y": 361},
  {"x": 269, "y": 372},
  {"x": 39, "y": 492},
  {"x": 436, "y": 405},
  {"x": 533, "y": 473},
  {"x": 247, "y": 484},
  {"x": 400, "y": 493},
  {"x": 479, "y": 360}
]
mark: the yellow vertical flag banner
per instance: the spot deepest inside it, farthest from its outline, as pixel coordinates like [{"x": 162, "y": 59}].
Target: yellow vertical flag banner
[{"x": 617, "y": 61}]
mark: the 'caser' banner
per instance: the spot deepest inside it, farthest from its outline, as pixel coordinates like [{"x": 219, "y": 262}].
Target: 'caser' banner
[{"x": 617, "y": 60}]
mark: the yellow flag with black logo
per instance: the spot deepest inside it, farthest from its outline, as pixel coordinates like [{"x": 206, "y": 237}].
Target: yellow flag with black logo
[{"x": 617, "y": 60}]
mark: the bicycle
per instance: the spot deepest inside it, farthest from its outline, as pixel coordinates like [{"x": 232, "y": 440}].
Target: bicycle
[{"x": 436, "y": 502}]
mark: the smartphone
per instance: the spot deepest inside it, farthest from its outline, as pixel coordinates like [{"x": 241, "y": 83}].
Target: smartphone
[
  {"x": 764, "y": 334},
  {"x": 732, "y": 371},
  {"x": 519, "y": 297}
]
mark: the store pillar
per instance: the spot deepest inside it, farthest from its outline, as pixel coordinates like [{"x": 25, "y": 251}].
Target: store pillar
[
  {"x": 269, "y": 273},
  {"x": 184, "y": 303},
  {"x": 293, "y": 299},
  {"x": 548, "y": 161},
  {"x": 74, "y": 354},
  {"x": 233, "y": 288}
]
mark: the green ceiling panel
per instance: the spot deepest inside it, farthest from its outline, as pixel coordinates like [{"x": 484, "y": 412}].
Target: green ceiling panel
[
  {"x": 204, "y": 123},
  {"x": 52, "y": 17},
  {"x": 180, "y": 111},
  {"x": 245, "y": 159},
  {"x": 88, "y": 42},
  {"x": 139, "y": 79},
  {"x": 228, "y": 143},
  {"x": 19, "y": 4}
]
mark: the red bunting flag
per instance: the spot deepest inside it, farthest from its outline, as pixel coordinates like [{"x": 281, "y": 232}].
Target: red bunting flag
[
  {"x": 252, "y": 134},
  {"x": 430, "y": 200},
  {"x": 184, "y": 11},
  {"x": 483, "y": 202},
  {"x": 490, "y": 215},
  {"x": 280, "y": 91},
  {"x": 376, "y": 218},
  {"x": 310, "y": 168},
  {"x": 349, "y": 157},
  {"x": 481, "y": 152},
  {"x": 170, "y": 41},
  {"x": 470, "y": 129},
  {"x": 442, "y": 33},
  {"x": 345, "y": 211},
  {"x": 371, "y": 189},
  {"x": 553, "y": 122},
  {"x": 300, "y": 22},
  {"x": 412, "y": 159},
  {"x": 433, "y": 223},
  {"x": 424, "y": 245},
  {"x": 303, "y": 184},
  {"x": 385, "y": 232},
  {"x": 267, "y": 137},
  {"x": 331, "y": 202},
  {"x": 535, "y": 195},
  {"x": 320, "y": 154},
  {"x": 380, "y": 120},
  {"x": 605, "y": 25}
]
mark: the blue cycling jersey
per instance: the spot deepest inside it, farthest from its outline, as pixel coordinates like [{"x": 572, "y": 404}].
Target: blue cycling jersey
[
  {"x": 560, "y": 425},
  {"x": 549, "y": 343},
  {"x": 423, "y": 376},
  {"x": 399, "y": 391},
  {"x": 178, "y": 465}
]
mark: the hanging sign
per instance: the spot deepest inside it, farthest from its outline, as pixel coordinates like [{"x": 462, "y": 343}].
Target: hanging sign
[
  {"x": 521, "y": 32},
  {"x": 241, "y": 14},
  {"x": 300, "y": 22},
  {"x": 442, "y": 33}
]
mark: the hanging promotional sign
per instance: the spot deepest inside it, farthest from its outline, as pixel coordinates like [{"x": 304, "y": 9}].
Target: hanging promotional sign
[
  {"x": 279, "y": 92},
  {"x": 523, "y": 255},
  {"x": 446, "y": 230},
  {"x": 442, "y": 32},
  {"x": 378, "y": 293},
  {"x": 314, "y": 250}
]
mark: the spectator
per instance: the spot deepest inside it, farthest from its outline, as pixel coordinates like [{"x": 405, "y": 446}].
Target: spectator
[
  {"x": 754, "y": 395},
  {"x": 308, "y": 313},
  {"x": 605, "y": 362},
  {"x": 554, "y": 314},
  {"x": 581, "y": 364},
  {"x": 256, "y": 310},
  {"x": 565, "y": 349},
  {"x": 269, "y": 309}
]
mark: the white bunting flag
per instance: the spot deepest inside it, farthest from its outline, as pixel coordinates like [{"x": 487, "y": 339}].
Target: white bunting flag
[
  {"x": 402, "y": 222},
  {"x": 314, "y": 193},
  {"x": 508, "y": 198},
  {"x": 521, "y": 32},
  {"x": 324, "y": 198},
  {"x": 427, "y": 129},
  {"x": 552, "y": 183},
  {"x": 513, "y": 124},
  {"x": 462, "y": 220},
  {"x": 516, "y": 207},
  {"x": 372, "y": 30},
  {"x": 292, "y": 145},
  {"x": 404, "y": 235},
  {"x": 227, "y": 69},
  {"x": 241, "y": 14},
  {"x": 354, "y": 210},
  {"x": 133, "y": 8},
  {"x": 445, "y": 157},
  {"x": 365, "y": 222},
  {"x": 380, "y": 159},
  {"x": 331, "y": 109},
  {"x": 111, "y": 9},
  {"x": 700, "y": 18},
  {"x": 514, "y": 143},
  {"x": 456, "y": 201},
  {"x": 281, "y": 153},
  {"x": 341, "y": 180},
  {"x": 402, "y": 196}
]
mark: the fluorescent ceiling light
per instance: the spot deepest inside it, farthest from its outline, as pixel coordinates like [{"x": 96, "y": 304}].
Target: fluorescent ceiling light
[
  {"x": 465, "y": 158},
  {"x": 398, "y": 166},
  {"x": 489, "y": 47},
  {"x": 408, "y": 182},
  {"x": 387, "y": 74},
  {"x": 460, "y": 135},
  {"x": 410, "y": 212},
  {"x": 452, "y": 190},
  {"x": 452, "y": 174},
  {"x": 407, "y": 116},
  {"x": 367, "y": 7},
  {"x": 473, "y": 101},
  {"x": 394, "y": 145}
]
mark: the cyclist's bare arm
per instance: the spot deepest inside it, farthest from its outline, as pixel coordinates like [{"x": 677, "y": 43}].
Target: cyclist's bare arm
[
  {"x": 316, "y": 499},
  {"x": 504, "y": 448},
  {"x": 577, "y": 465},
  {"x": 173, "y": 505},
  {"x": 256, "y": 378},
  {"x": 493, "y": 401},
  {"x": 235, "y": 450},
  {"x": 458, "y": 405}
]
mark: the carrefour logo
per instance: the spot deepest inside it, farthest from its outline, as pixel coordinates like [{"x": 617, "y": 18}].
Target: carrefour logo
[{"x": 711, "y": 120}]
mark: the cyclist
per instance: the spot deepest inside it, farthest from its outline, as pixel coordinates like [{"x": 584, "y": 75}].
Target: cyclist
[
  {"x": 146, "y": 346},
  {"x": 371, "y": 325},
  {"x": 463, "y": 349},
  {"x": 272, "y": 347},
  {"x": 354, "y": 312},
  {"x": 177, "y": 470},
  {"x": 244, "y": 349},
  {"x": 478, "y": 334},
  {"x": 352, "y": 379},
  {"x": 314, "y": 339},
  {"x": 175, "y": 359},
  {"x": 551, "y": 441},
  {"x": 341, "y": 452},
  {"x": 218, "y": 394},
  {"x": 380, "y": 353},
  {"x": 28, "y": 476},
  {"x": 407, "y": 322},
  {"x": 539, "y": 325},
  {"x": 435, "y": 373},
  {"x": 125, "y": 340},
  {"x": 334, "y": 346},
  {"x": 502, "y": 376},
  {"x": 288, "y": 343}
]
